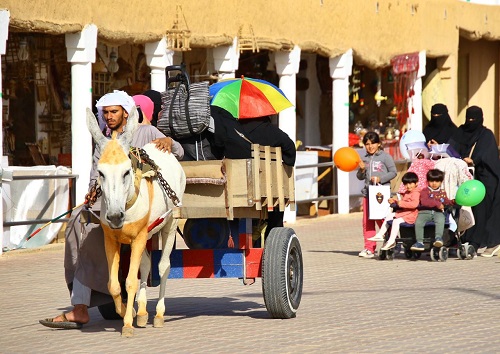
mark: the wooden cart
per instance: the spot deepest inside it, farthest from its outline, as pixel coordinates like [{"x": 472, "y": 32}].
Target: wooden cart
[{"x": 245, "y": 189}]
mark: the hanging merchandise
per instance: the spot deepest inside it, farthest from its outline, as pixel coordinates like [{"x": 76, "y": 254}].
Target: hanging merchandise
[{"x": 404, "y": 72}]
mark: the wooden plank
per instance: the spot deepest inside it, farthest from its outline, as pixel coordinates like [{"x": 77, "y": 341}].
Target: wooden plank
[
  {"x": 269, "y": 179},
  {"x": 192, "y": 212},
  {"x": 289, "y": 177},
  {"x": 256, "y": 176},
  {"x": 279, "y": 175}
]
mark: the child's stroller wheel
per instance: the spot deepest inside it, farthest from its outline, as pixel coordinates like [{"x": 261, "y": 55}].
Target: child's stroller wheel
[
  {"x": 408, "y": 253},
  {"x": 470, "y": 252},
  {"x": 443, "y": 254},
  {"x": 434, "y": 253},
  {"x": 390, "y": 254},
  {"x": 382, "y": 254},
  {"x": 417, "y": 255},
  {"x": 461, "y": 253}
]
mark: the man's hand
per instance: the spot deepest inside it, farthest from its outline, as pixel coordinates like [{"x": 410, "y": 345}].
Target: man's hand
[{"x": 163, "y": 144}]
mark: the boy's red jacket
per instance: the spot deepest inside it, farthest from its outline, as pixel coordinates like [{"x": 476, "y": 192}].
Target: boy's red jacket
[{"x": 432, "y": 199}]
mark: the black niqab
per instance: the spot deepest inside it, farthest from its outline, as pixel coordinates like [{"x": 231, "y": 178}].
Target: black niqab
[
  {"x": 468, "y": 133},
  {"x": 441, "y": 128}
]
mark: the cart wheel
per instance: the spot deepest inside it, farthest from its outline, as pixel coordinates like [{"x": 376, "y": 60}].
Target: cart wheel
[
  {"x": 470, "y": 252},
  {"x": 206, "y": 233},
  {"x": 382, "y": 255},
  {"x": 417, "y": 255},
  {"x": 434, "y": 254},
  {"x": 408, "y": 253},
  {"x": 108, "y": 311},
  {"x": 390, "y": 254},
  {"x": 282, "y": 273},
  {"x": 443, "y": 254}
]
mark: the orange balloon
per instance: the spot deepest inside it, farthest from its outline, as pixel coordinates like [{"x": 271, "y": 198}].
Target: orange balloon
[{"x": 346, "y": 159}]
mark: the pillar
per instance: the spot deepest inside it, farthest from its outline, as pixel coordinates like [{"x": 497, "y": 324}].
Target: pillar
[
  {"x": 81, "y": 49},
  {"x": 312, "y": 103},
  {"x": 448, "y": 67},
  {"x": 4, "y": 33},
  {"x": 340, "y": 70},
  {"x": 226, "y": 60},
  {"x": 416, "y": 101},
  {"x": 287, "y": 67},
  {"x": 158, "y": 57}
]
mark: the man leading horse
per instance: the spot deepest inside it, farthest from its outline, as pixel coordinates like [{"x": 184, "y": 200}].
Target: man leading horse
[{"x": 85, "y": 261}]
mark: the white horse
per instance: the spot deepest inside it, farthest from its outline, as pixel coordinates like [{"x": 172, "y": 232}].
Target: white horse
[{"x": 130, "y": 205}]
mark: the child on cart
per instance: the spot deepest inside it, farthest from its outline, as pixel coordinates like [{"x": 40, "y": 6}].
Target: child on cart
[
  {"x": 406, "y": 211},
  {"x": 433, "y": 201}
]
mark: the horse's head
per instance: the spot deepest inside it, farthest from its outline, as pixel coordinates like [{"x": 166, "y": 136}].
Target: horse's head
[{"x": 115, "y": 170}]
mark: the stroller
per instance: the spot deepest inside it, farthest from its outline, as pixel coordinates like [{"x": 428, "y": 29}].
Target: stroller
[
  {"x": 452, "y": 240},
  {"x": 456, "y": 172}
]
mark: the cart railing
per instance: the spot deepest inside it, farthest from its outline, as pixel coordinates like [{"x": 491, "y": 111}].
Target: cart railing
[{"x": 238, "y": 188}]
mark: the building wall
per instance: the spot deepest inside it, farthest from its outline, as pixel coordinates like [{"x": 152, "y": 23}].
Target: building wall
[
  {"x": 375, "y": 30},
  {"x": 478, "y": 73}
]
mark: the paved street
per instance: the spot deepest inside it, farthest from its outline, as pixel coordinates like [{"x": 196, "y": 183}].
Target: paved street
[{"x": 349, "y": 305}]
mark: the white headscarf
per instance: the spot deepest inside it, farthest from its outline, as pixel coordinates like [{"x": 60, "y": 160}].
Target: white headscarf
[{"x": 116, "y": 98}]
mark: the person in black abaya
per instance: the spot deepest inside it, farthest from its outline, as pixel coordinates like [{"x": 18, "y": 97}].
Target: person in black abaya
[
  {"x": 477, "y": 146},
  {"x": 441, "y": 128},
  {"x": 228, "y": 143},
  {"x": 232, "y": 139}
]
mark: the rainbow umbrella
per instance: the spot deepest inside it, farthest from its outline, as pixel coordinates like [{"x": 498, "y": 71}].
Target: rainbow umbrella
[{"x": 248, "y": 98}]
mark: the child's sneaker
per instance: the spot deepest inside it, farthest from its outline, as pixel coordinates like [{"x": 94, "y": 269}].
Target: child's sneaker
[
  {"x": 366, "y": 254},
  {"x": 388, "y": 245},
  {"x": 377, "y": 238},
  {"x": 418, "y": 246},
  {"x": 438, "y": 242}
]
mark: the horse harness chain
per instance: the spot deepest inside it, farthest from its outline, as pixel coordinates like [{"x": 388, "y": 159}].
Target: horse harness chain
[{"x": 144, "y": 157}]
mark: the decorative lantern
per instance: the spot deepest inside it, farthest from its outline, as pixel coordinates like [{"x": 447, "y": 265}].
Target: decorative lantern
[{"x": 179, "y": 35}]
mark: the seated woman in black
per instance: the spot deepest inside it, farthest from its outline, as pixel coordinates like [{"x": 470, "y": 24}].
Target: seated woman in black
[{"x": 233, "y": 138}]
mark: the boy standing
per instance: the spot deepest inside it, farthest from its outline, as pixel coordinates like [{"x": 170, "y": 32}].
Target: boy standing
[{"x": 433, "y": 199}]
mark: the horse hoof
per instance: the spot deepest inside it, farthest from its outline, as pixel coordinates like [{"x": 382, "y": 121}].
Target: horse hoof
[
  {"x": 158, "y": 322},
  {"x": 127, "y": 331},
  {"x": 142, "y": 320}
]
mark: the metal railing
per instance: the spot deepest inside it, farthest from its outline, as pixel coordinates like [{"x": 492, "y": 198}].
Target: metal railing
[
  {"x": 331, "y": 168},
  {"x": 72, "y": 196}
]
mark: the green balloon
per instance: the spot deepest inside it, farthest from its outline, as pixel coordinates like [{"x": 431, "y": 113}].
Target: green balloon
[{"x": 470, "y": 193}]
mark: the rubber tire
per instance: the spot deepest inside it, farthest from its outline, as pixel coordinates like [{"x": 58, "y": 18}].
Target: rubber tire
[
  {"x": 470, "y": 252},
  {"x": 282, "y": 273},
  {"x": 382, "y": 255},
  {"x": 206, "y": 233},
  {"x": 443, "y": 254},
  {"x": 408, "y": 253},
  {"x": 416, "y": 255},
  {"x": 390, "y": 254},
  {"x": 461, "y": 253},
  {"x": 434, "y": 254},
  {"x": 108, "y": 311}
]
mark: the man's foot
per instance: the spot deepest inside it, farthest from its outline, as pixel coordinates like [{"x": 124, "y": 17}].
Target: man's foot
[
  {"x": 418, "y": 246},
  {"x": 438, "y": 242},
  {"x": 491, "y": 251},
  {"x": 69, "y": 320},
  {"x": 366, "y": 254},
  {"x": 377, "y": 238}
]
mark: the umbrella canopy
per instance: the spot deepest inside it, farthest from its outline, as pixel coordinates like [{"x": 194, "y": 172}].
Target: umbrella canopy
[{"x": 248, "y": 98}]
